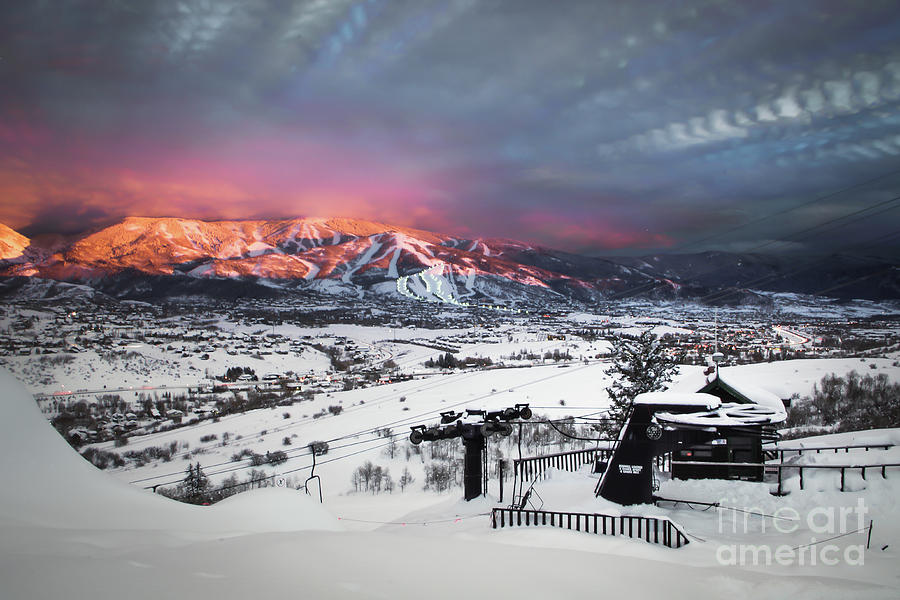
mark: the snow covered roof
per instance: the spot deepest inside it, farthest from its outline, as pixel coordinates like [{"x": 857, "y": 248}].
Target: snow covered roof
[
  {"x": 732, "y": 414},
  {"x": 707, "y": 401},
  {"x": 747, "y": 392}
]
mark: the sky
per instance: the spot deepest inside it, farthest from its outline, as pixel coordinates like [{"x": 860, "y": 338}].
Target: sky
[{"x": 598, "y": 127}]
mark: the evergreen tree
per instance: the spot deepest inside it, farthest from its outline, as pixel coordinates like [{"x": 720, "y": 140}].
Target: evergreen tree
[
  {"x": 639, "y": 365},
  {"x": 195, "y": 486}
]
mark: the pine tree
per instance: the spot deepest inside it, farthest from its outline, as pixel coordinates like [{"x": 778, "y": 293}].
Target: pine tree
[
  {"x": 639, "y": 366},
  {"x": 195, "y": 486}
]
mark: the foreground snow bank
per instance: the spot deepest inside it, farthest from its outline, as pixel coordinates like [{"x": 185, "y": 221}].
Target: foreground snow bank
[
  {"x": 274, "y": 509},
  {"x": 48, "y": 483},
  {"x": 68, "y": 530}
]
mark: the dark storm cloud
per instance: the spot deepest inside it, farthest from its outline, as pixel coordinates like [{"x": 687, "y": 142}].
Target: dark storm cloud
[
  {"x": 646, "y": 123},
  {"x": 68, "y": 216}
]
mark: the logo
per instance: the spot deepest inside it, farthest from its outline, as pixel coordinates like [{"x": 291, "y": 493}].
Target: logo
[
  {"x": 826, "y": 535},
  {"x": 630, "y": 469},
  {"x": 654, "y": 431}
]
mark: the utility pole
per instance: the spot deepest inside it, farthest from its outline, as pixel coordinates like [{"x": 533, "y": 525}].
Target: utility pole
[{"x": 717, "y": 356}]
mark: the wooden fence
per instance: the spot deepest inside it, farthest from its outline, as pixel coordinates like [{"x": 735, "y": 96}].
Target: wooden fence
[
  {"x": 533, "y": 467},
  {"x": 655, "y": 530},
  {"x": 780, "y": 467},
  {"x": 778, "y": 453}
]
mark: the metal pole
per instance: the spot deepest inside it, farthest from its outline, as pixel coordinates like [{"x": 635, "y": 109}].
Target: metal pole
[
  {"x": 484, "y": 471},
  {"x": 522, "y": 480}
]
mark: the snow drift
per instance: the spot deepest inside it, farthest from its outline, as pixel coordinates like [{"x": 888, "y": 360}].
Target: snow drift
[{"x": 48, "y": 484}]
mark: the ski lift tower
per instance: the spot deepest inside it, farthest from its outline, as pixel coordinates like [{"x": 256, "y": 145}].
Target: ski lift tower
[{"x": 474, "y": 435}]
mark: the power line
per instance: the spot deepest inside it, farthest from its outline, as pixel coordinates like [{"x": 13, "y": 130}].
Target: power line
[
  {"x": 655, "y": 283},
  {"x": 792, "y": 208},
  {"x": 721, "y": 294},
  {"x": 391, "y": 437},
  {"x": 298, "y": 423},
  {"x": 304, "y": 452},
  {"x": 370, "y": 430},
  {"x": 245, "y": 467}
]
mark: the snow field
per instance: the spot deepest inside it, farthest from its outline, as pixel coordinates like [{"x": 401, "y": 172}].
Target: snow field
[{"x": 68, "y": 529}]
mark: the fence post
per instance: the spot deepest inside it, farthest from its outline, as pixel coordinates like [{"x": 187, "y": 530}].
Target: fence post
[
  {"x": 842, "y": 478},
  {"x": 500, "y": 469},
  {"x": 801, "y": 478}
]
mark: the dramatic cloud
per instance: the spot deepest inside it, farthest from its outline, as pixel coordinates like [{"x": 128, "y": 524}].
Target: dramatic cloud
[{"x": 588, "y": 125}]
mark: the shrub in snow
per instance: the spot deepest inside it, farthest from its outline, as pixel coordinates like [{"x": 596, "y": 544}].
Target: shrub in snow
[
  {"x": 103, "y": 459},
  {"x": 277, "y": 457},
  {"x": 318, "y": 448},
  {"x": 849, "y": 403},
  {"x": 439, "y": 477},
  {"x": 405, "y": 479},
  {"x": 373, "y": 478}
]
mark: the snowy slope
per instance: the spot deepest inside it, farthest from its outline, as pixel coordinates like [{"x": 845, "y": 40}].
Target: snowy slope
[
  {"x": 12, "y": 243},
  {"x": 67, "y": 530},
  {"x": 59, "y": 489}
]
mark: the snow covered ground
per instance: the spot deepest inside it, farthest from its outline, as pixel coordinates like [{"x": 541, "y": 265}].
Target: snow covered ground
[
  {"x": 356, "y": 434},
  {"x": 69, "y": 530}
]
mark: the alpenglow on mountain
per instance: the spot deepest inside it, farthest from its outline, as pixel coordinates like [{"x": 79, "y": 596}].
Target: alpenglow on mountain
[{"x": 348, "y": 255}]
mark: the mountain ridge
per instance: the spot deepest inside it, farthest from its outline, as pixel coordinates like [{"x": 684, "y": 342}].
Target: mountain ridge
[{"x": 344, "y": 253}]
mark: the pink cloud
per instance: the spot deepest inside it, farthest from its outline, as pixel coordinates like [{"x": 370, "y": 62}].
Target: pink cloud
[{"x": 578, "y": 232}]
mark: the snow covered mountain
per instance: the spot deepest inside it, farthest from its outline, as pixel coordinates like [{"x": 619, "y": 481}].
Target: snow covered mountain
[
  {"x": 318, "y": 252},
  {"x": 12, "y": 243},
  {"x": 348, "y": 255}
]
